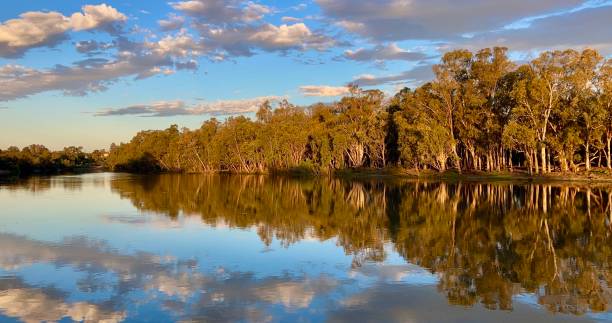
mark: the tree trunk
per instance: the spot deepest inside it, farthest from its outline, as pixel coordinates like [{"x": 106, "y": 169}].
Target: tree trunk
[
  {"x": 550, "y": 161},
  {"x": 543, "y": 154},
  {"x": 599, "y": 158},
  {"x": 529, "y": 162},
  {"x": 608, "y": 161},
  {"x": 510, "y": 160},
  {"x": 563, "y": 162},
  {"x": 535, "y": 161},
  {"x": 587, "y": 157},
  {"x": 474, "y": 160}
]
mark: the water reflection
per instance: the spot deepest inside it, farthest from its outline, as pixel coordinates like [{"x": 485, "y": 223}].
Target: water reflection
[
  {"x": 178, "y": 286},
  {"x": 487, "y": 242},
  {"x": 470, "y": 251},
  {"x": 32, "y": 304}
]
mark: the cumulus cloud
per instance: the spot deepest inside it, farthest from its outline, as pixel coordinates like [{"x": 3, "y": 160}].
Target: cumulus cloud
[
  {"x": 236, "y": 28},
  {"x": 46, "y": 29},
  {"x": 244, "y": 40},
  {"x": 416, "y": 75},
  {"x": 383, "y": 53},
  {"x": 96, "y": 16},
  {"x": 136, "y": 60},
  {"x": 583, "y": 28},
  {"x": 222, "y": 11},
  {"x": 191, "y": 64},
  {"x": 181, "y": 45},
  {"x": 173, "y": 22},
  {"x": 432, "y": 19},
  {"x": 17, "y": 81},
  {"x": 298, "y": 35},
  {"x": 92, "y": 47},
  {"x": 32, "y": 29},
  {"x": 178, "y": 107},
  {"x": 324, "y": 90}
]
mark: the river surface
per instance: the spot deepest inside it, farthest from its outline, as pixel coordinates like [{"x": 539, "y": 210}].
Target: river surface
[{"x": 125, "y": 248}]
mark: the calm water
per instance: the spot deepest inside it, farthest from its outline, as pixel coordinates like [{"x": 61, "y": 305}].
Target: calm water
[{"x": 112, "y": 248}]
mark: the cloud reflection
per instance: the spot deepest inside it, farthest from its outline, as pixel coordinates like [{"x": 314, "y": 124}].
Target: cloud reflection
[{"x": 179, "y": 285}]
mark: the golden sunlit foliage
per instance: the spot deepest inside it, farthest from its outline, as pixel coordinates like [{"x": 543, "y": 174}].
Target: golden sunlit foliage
[
  {"x": 37, "y": 159},
  {"x": 482, "y": 112}
]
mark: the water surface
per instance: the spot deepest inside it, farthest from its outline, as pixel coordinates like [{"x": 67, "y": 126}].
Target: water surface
[{"x": 125, "y": 248}]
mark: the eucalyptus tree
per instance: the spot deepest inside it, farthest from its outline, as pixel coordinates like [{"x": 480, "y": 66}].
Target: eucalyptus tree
[
  {"x": 604, "y": 99},
  {"x": 424, "y": 130},
  {"x": 286, "y": 129},
  {"x": 480, "y": 112},
  {"x": 582, "y": 79},
  {"x": 448, "y": 91},
  {"x": 538, "y": 95},
  {"x": 488, "y": 111}
]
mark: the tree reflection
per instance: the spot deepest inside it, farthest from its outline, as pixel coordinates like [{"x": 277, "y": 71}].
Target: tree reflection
[{"x": 486, "y": 242}]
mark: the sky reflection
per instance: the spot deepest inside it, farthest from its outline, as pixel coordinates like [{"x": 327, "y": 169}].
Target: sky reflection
[{"x": 106, "y": 248}]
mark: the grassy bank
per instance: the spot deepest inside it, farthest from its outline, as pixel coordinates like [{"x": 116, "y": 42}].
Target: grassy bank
[{"x": 595, "y": 175}]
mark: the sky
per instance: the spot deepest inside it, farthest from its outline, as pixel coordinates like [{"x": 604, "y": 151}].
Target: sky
[{"x": 89, "y": 73}]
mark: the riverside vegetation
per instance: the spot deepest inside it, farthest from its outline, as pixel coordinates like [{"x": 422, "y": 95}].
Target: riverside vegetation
[
  {"x": 482, "y": 112},
  {"x": 38, "y": 159}
]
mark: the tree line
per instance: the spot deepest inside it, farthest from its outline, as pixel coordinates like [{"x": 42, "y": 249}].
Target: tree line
[
  {"x": 482, "y": 112},
  {"x": 38, "y": 159}
]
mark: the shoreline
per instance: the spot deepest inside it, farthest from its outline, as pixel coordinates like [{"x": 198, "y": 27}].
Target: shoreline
[
  {"x": 595, "y": 176},
  {"x": 602, "y": 176}
]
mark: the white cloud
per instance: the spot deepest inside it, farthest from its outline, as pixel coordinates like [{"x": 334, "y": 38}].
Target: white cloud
[
  {"x": 178, "y": 107},
  {"x": 222, "y": 11},
  {"x": 244, "y": 40},
  {"x": 584, "y": 28},
  {"x": 324, "y": 90},
  {"x": 415, "y": 76},
  {"x": 95, "y": 17},
  {"x": 173, "y": 22},
  {"x": 283, "y": 36},
  {"x": 181, "y": 45},
  {"x": 432, "y": 19},
  {"x": 254, "y": 11},
  {"x": 91, "y": 47},
  {"x": 383, "y": 53},
  {"x": 236, "y": 28},
  {"x": 18, "y": 81},
  {"x": 46, "y": 29},
  {"x": 32, "y": 29},
  {"x": 95, "y": 74}
]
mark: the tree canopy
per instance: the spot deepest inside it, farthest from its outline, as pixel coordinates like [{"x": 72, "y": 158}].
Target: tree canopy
[{"x": 482, "y": 112}]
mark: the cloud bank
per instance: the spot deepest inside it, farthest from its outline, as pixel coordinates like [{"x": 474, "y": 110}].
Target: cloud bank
[{"x": 178, "y": 108}]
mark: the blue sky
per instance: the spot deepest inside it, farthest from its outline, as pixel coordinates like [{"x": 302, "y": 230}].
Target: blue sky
[{"x": 89, "y": 73}]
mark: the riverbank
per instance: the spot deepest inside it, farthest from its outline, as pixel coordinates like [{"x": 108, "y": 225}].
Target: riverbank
[
  {"x": 6, "y": 174},
  {"x": 602, "y": 175},
  {"x": 596, "y": 175}
]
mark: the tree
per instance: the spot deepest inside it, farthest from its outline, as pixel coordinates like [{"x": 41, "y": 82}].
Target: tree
[{"x": 604, "y": 100}]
